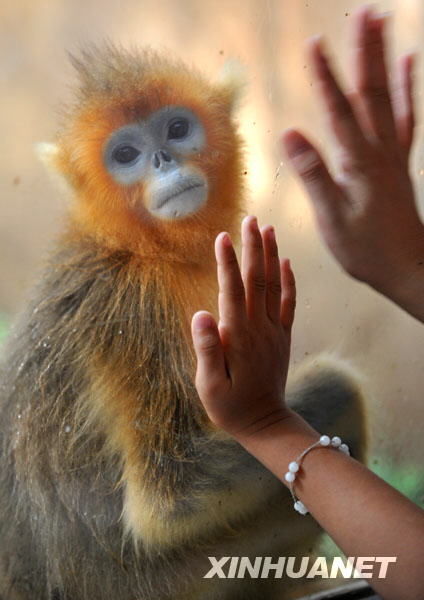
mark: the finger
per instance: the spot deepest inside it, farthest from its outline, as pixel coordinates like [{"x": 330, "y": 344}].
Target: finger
[
  {"x": 370, "y": 76},
  {"x": 339, "y": 112},
  {"x": 208, "y": 349},
  {"x": 320, "y": 186},
  {"x": 231, "y": 298},
  {"x": 272, "y": 273},
  {"x": 404, "y": 104},
  {"x": 253, "y": 268},
  {"x": 288, "y": 295}
]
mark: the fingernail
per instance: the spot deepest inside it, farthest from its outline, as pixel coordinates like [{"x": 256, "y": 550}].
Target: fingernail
[
  {"x": 377, "y": 22},
  {"x": 286, "y": 263},
  {"x": 202, "y": 321},
  {"x": 295, "y": 144},
  {"x": 226, "y": 240},
  {"x": 316, "y": 40},
  {"x": 271, "y": 233},
  {"x": 365, "y": 17},
  {"x": 253, "y": 224}
]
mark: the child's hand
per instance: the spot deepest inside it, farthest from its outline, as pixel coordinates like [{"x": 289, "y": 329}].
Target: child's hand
[
  {"x": 367, "y": 213},
  {"x": 243, "y": 362}
]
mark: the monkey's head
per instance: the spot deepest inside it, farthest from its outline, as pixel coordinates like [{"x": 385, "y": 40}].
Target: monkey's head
[{"x": 151, "y": 151}]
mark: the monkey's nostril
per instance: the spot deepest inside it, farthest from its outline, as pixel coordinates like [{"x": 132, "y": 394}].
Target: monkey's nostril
[
  {"x": 156, "y": 160},
  {"x": 161, "y": 157},
  {"x": 166, "y": 157}
]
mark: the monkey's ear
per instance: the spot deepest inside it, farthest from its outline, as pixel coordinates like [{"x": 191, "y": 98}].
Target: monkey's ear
[
  {"x": 233, "y": 80},
  {"x": 48, "y": 154}
]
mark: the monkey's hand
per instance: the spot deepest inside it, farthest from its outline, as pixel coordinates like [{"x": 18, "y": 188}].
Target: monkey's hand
[
  {"x": 367, "y": 213},
  {"x": 243, "y": 362}
]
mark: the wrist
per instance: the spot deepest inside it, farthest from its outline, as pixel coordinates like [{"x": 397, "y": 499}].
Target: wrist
[
  {"x": 262, "y": 425},
  {"x": 283, "y": 420},
  {"x": 279, "y": 441}
]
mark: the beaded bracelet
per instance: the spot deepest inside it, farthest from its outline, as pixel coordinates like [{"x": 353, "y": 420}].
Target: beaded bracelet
[{"x": 294, "y": 466}]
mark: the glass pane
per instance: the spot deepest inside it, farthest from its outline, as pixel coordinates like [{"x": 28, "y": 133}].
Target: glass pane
[{"x": 335, "y": 314}]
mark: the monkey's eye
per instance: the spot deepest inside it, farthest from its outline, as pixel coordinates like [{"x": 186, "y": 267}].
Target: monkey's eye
[
  {"x": 125, "y": 154},
  {"x": 178, "y": 129}
]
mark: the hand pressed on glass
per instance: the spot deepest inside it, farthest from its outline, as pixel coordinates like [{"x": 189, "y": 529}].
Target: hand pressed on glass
[
  {"x": 243, "y": 360},
  {"x": 367, "y": 213}
]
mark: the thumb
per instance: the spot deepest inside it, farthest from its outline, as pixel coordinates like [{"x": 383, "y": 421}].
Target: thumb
[
  {"x": 309, "y": 165},
  {"x": 208, "y": 348}
]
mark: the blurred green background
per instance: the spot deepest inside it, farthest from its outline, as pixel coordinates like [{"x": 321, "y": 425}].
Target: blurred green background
[{"x": 4, "y": 326}]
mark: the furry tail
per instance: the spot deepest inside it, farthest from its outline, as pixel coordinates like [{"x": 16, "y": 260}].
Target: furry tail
[{"x": 327, "y": 392}]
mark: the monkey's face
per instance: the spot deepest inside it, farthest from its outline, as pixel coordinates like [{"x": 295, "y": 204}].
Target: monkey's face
[
  {"x": 151, "y": 153},
  {"x": 156, "y": 152}
]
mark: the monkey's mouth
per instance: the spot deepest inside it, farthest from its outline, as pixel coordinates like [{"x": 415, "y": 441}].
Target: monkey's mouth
[
  {"x": 178, "y": 193},
  {"x": 179, "y": 200}
]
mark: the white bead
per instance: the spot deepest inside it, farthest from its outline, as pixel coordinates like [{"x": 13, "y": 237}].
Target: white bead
[
  {"x": 290, "y": 477},
  {"x": 293, "y": 467},
  {"x": 300, "y": 507},
  {"x": 344, "y": 448},
  {"x": 324, "y": 440},
  {"x": 336, "y": 441}
]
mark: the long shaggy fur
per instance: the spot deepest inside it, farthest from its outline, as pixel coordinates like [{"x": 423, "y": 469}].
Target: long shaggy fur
[{"x": 113, "y": 484}]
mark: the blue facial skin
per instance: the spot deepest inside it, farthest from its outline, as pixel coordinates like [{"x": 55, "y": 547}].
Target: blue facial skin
[{"x": 154, "y": 150}]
